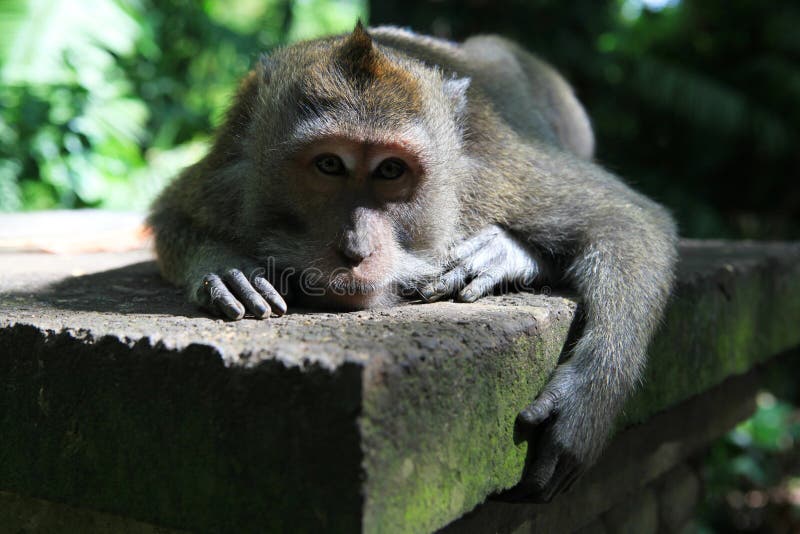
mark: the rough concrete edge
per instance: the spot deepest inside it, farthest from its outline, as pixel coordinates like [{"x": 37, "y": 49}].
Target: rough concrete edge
[
  {"x": 244, "y": 360},
  {"x": 420, "y": 477},
  {"x": 721, "y": 326},
  {"x": 145, "y": 345},
  {"x": 637, "y": 456},
  {"x": 86, "y": 337}
]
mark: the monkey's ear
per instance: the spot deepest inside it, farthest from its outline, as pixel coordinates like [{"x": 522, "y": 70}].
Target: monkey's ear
[
  {"x": 456, "y": 90},
  {"x": 264, "y": 67}
]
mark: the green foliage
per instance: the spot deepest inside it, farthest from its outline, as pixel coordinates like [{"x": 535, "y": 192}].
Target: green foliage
[
  {"x": 103, "y": 101},
  {"x": 753, "y": 475},
  {"x": 713, "y": 90}
]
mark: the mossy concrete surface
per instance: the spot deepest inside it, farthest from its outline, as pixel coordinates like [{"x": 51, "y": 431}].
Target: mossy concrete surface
[
  {"x": 736, "y": 304},
  {"x": 118, "y": 397}
]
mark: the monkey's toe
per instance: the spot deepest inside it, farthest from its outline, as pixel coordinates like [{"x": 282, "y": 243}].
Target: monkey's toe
[
  {"x": 448, "y": 283},
  {"x": 479, "y": 287}
]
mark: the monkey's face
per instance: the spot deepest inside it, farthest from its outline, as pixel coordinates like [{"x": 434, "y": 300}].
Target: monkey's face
[
  {"x": 357, "y": 158},
  {"x": 360, "y": 213},
  {"x": 364, "y": 195}
]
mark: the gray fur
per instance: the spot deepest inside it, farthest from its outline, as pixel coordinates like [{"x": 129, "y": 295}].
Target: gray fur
[{"x": 507, "y": 150}]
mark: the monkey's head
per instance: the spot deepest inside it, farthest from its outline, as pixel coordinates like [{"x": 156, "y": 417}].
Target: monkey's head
[{"x": 351, "y": 155}]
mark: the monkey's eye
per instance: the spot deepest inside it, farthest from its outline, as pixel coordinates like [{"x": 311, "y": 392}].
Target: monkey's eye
[
  {"x": 330, "y": 164},
  {"x": 391, "y": 168}
]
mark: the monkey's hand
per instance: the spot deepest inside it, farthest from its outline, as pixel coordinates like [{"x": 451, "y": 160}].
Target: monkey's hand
[
  {"x": 567, "y": 426},
  {"x": 490, "y": 260},
  {"x": 231, "y": 294}
]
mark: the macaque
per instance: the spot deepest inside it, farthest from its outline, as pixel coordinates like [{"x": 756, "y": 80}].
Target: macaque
[{"x": 388, "y": 163}]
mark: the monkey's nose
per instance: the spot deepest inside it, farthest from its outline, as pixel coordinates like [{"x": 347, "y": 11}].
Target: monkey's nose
[
  {"x": 354, "y": 255},
  {"x": 354, "y": 250},
  {"x": 355, "y": 247}
]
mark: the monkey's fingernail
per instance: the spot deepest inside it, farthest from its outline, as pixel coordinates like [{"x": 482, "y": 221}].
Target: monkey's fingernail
[
  {"x": 468, "y": 295},
  {"x": 261, "y": 311},
  {"x": 233, "y": 310},
  {"x": 427, "y": 292},
  {"x": 278, "y": 306}
]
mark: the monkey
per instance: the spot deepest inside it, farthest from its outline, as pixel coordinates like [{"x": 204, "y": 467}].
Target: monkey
[{"x": 388, "y": 163}]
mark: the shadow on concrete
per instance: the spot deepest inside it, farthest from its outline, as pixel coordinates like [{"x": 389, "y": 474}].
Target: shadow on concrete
[{"x": 133, "y": 289}]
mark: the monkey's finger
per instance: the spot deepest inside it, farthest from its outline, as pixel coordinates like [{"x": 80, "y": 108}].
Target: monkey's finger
[
  {"x": 453, "y": 280},
  {"x": 564, "y": 471},
  {"x": 574, "y": 477},
  {"x": 447, "y": 284},
  {"x": 480, "y": 286},
  {"x": 215, "y": 297},
  {"x": 271, "y": 294},
  {"x": 540, "y": 473},
  {"x": 539, "y": 411},
  {"x": 471, "y": 245},
  {"x": 239, "y": 285}
]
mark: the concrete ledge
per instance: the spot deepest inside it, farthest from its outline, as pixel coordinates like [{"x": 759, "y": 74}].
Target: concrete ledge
[
  {"x": 116, "y": 396},
  {"x": 635, "y": 458}
]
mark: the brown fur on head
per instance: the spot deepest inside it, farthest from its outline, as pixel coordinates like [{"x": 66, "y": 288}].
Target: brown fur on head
[
  {"x": 381, "y": 80},
  {"x": 363, "y": 104}
]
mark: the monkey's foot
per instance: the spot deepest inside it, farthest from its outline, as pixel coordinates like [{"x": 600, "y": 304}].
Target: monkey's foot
[
  {"x": 491, "y": 260},
  {"x": 233, "y": 294}
]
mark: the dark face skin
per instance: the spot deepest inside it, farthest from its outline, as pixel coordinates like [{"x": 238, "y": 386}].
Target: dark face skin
[
  {"x": 361, "y": 188},
  {"x": 355, "y": 160}
]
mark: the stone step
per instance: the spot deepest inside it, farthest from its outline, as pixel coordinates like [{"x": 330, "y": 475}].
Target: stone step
[{"x": 116, "y": 396}]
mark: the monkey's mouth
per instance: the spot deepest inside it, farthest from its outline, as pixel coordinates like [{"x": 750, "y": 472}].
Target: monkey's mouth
[
  {"x": 332, "y": 283},
  {"x": 371, "y": 275},
  {"x": 346, "y": 284},
  {"x": 344, "y": 293}
]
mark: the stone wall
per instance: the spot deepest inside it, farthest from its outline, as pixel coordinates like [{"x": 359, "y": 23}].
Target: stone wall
[{"x": 118, "y": 398}]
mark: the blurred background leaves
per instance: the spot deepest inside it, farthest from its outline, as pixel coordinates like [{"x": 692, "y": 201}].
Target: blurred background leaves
[{"x": 103, "y": 101}]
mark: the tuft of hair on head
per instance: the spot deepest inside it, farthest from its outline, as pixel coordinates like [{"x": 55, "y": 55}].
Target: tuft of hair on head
[
  {"x": 360, "y": 35},
  {"x": 380, "y": 82},
  {"x": 358, "y": 56}
]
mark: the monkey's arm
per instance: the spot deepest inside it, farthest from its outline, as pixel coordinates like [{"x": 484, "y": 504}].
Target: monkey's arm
[
  {"x": 619, "y": 251},
  {"x": 198, "y": 231},
  {"x": 205, "y": 262},
  {"x": 614, "y": 246}
]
